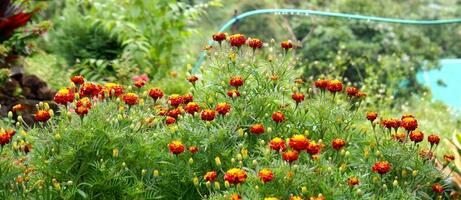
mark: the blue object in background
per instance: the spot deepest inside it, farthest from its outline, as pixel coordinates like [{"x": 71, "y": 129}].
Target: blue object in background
[{"x": 445, "y": 83}]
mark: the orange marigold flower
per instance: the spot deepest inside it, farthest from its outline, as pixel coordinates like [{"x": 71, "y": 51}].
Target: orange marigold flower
[
  {"x": 433, "y": 139},
  {"x": 77, "y": 80},
  {"x": 210, "y": 176},
  {"x": 235, "y": 197},
  {"x": 409, "y": 123},
  {"x": 219, "y": 37},
  {"x": 187, "y": 98},
  {"x": 400, "y": 137},
  {"x": 235, "y": 176},
  {"x": 351, "y": 91},
  {"x": 391, "y": 123},
  {"x": 208, "y": 115},
  {"x": 290, "y": 156},
  {"x": 298, "y": 142},
  {"x": 236, "y": 81},
  {"x": 296, "y": 198},
  {"x": 170, "y": 120},
  {"x": 255, "y": 43},
  {"x": 18, "y": 108},
  {"x": 237, "y": 40},
  {"x": 84, "y": 102},
  {"x": 257, "y": 129},
  {"x": 337, "y": 144},
  {"x": 321, "y": 83},
  {"x": 176, "y": 147},
  {"x": 381, "y": 167},
  {"x": 361, "y": 94},
  {"x": 407, "y": 115},
  {"x": 89, "y": 90},
  {"x": 155, "y": 93},
  {"x": 286, "y": 44},
  {"x": 113, "y": 89},
  {"x": 175, "y": 100},
  {"x": 448, "y": 157},
  {"x": 334, "y": 86},
  {"x": 265, "y": 175},
  {"x": 299, "y": 81},
  {"x": 81, "y": 110},
  {"x": 192, "y": 79},
  {"x": 372, "y": 116},
  {"x": 313, "y": 148},
  {"x": 297, "y": 97},
  {"x": 130, "y": 99},
  {"x": 416, "y": 136},
  {"x": 277, "y": 144},
  {"x": 64, "y": 96},
  {"x": 5, "y": 137},
  {"x": 193, "y": 149},
  {"x": 437, "y": 188},
  {"x": 352, "y": 181},
  {"x": 233, "y": 93},
  {"x": 42, "y": 115},
  {"x": 278, "y": 117},
  {"x": 223, "y": 108},
  {"x": 192, "y": 108},
  {"x": 139, "y": 83}
]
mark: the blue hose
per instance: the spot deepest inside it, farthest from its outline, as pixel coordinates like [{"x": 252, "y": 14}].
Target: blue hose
[{"x": 325, "y": 14}]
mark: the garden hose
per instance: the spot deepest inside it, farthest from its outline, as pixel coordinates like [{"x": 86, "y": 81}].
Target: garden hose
[{"x": 325, "y": 14}]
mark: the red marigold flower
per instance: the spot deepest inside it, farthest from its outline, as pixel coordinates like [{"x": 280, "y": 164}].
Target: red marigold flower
[
  {"x": 277, "y": 144},
  {"x": 372, "y": 116},
  {"x": 162, "y": 111},
  {"x": 139, "y": 83},
  {"x": 89, "y": 90},
  {"x": 77, "y": 80},
  {"x": 265, "y": 175},
  {"x": 298, "y": 142},
  {"x": 448, "y": 157},
  {"x": 235, "y": 176},
  {"x": 174, "y": 112},
  {"x": 210, "y": 176},
  {"x": 337, "y": 144},
  {"x": 219, "y": 37},
  {"x": 81, "y": 110},
  {"x": 192, "y": 108},
  {"x": 84, "y": 102},
  {"x": 193, "y": 149},
  {"x": 5, "y": 137},
  {"x": 257, "y": 129},
  {"x": 208, "y": 115},
  {"x": 437, "y": 188},
  {"x": 42, "y": 115},
  {"x": 297, "y": 97},
  {"x": 130, "y": 99},
  {"x": 255, "y": 43},
  {"x": 313, "y": 148},
  {"x": 409, "y": 123},
  {"x": 237, "y": 40},
  {"x": 391, "y": 123},
  {"x": 192, "y": 79},
  {"x": 286, "y": 44},
  {"x": 278, "y": 117},
  {"x": 175, "y": 100},
  {"x": 223, "y": 108},
  {"x": 334, "y": 86},
  {"x": 400, "y": 137},
  {"x": 433, "y": 139},
  {"x": 381, "y": 167},
  {"x": 352, "y": 181},
  {"x": 233, "y": 93},
  {"x": 113, "y": 89},
  {"x": 170, "y": 120},
  {"x": 321, "y": 83},
  {"x": 155, "y": 93},
  {"x": 290, "y": 156},
  {"x": 351, "y": 91},
  {"x": 176, "y": 147},
  {"x": 416, "y": 136},
  {"x": 18, "y": 108},
  {"x": 236, "y": 81},
  {"x": 64, "y": 96},
  {"x": 187, "y": 98}
]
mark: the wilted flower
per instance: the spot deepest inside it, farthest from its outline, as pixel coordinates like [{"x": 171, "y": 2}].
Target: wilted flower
[
  {"x": 352, "y": 181},
  {"x": 437, "y": 188},
  {"x": 277, "y": 144},
  {"x": 290, "y": 156},
  {"x": 399, "y": 136},
  {"x": 42, "y": 115},
  {"x": 416, "y": 136},
  {"x": 298, "y": 142},
  {"x": 409, "y": 123},
  {"x": 155, "y": 93},
  {"x": 286, "y": 44},
  {"x": 208, "y": 115},
  {"x": 192, "y": 108},
  {"x": 237, "y": 40},
  {"x": 130, "y": 99},
  {"x": 337, "y": 144},
  {"x": 334, "y": 86},
  {"x": 223, "y": 108},
  {"x": 372, "y": 116},
  {"x": 77, "y": 80},
  {"x": 236, "y": 81},
  {"x": 448, "y": 157},
  {"x": 64, "y": 96},
  {"x": 235, "y": 176},
  {"x": 433, "y": 139},
  {"x": 255, "y": 43},
  {"x": 278, "y": 117},
  {"x": 175, "y": 100},
  {"x": 265, "y": 175},
  {"x": 192, "y": 79},
  {"x": 381, "y": 167},
  {"x": 176, "y": 147},
  {"x": 210, "y": 176},
  {"x": 257, "y": 129}
]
